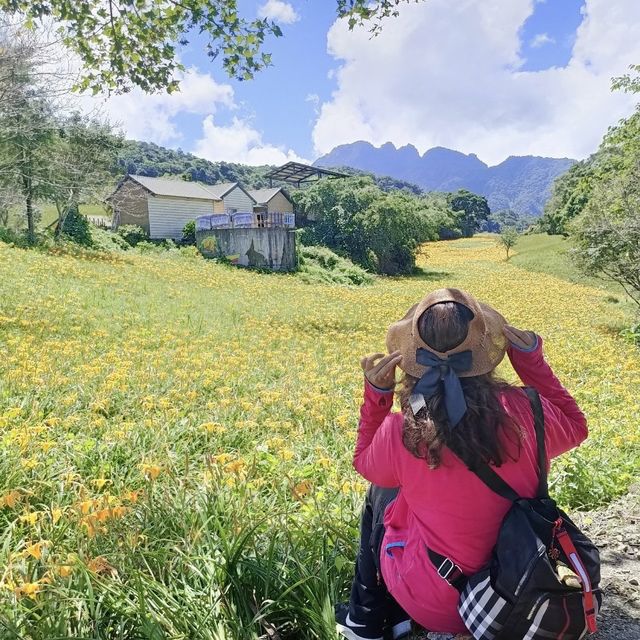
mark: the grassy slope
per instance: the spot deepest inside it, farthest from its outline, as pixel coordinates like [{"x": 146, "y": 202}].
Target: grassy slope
[
  {"x": 178, "y": 434},
  {"x": 550, "y": 254}
]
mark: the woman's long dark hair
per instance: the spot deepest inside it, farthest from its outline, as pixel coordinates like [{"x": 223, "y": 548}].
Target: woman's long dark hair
[{"x": 477, "y": 437}]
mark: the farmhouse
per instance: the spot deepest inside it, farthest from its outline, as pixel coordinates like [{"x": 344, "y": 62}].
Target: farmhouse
[
  {"x": 162, "y": 206},
  {"x": 271, "y": 201}
]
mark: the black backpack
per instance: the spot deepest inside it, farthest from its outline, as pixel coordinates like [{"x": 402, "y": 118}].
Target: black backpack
[{"x": 542, "y": 582}]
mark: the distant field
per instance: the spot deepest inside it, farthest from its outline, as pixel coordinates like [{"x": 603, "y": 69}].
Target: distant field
[
  {"x": 49, "y": 214},
  {"x": 177, "y": 434},
  {"x": 550, "y": 254}
]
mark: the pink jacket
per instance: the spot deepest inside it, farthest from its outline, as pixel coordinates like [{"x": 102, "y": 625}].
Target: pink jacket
[{"x": 449, "y": 508}]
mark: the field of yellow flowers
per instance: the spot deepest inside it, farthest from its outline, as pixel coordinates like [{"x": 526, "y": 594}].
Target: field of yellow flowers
[{"x": 176, "y": 435}]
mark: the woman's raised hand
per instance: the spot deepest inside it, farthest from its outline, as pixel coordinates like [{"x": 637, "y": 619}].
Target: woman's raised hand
[
  {"x": 380, "y": 369},
  {"x": 521, "y": 339}
]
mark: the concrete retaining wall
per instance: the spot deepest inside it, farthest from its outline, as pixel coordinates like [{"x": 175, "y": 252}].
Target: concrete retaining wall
[{"x": 264, "y": 248}]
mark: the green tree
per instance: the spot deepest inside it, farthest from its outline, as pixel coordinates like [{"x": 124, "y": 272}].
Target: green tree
[
  {"x": 395, "y": 225},
  {"x": 124, "y": 43},
  {"x": 27, "y": 128},
  {"x": 508, "y": 239},
  {"x": 616, "y": 155},
  {"x": 499, "y": 220},
  {"x": 629, "y": 82},
  {"x": 569, "y": 197},
  {"x": 80, "y": 164},
  {"x": 46, "y": 152},
  {"x": 470, "y": 209},
  {"x": 607, "y": 233},
  {"x": 378, "y": 230},
  {"x": 189, "y": 233}
]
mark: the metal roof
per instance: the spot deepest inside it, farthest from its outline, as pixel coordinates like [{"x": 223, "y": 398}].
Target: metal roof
[
  {"x": 262, "y": 196},
  {"x": 219, "y": 191},
  {"x": 176, "y": 188},
  {"x": 296, "y": 172}
]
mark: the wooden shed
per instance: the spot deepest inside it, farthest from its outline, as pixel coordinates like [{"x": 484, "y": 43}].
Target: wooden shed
[
  {"x": 274, "y": 200},
  {"x": 162, "y": 206}
]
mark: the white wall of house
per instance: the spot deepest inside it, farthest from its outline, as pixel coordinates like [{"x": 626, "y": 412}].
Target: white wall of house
[
  {"x": 237, "y": 199},
  {"x": 167, "y": 216}
]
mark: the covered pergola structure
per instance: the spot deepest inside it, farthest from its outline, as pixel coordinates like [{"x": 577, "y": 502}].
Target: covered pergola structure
[{"x": 298, "y": 173}]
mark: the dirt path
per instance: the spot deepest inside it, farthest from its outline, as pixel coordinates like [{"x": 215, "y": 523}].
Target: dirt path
[{"x": 615, "y": 529}]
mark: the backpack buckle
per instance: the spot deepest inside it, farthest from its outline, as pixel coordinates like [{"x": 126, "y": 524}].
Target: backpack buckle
[{"x": 449, "y": 570}]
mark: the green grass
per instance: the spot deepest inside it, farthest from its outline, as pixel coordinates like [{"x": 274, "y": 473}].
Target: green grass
[
  {"x": 550, "y": 254},
  {"x": 50, "y": 215}
]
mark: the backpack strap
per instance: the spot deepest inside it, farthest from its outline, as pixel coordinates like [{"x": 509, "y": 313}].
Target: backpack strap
[
  {"x": 538, "y": 421},
  {"x": 448, "y": 570},
  {"x": 495, "y": 482}
]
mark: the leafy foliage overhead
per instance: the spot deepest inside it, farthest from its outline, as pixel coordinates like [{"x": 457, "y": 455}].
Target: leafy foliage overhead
[
  {"x": 125, "y": 43},
  {"x": 360, "y": 12},
  {"x": 134, "y": 42}
]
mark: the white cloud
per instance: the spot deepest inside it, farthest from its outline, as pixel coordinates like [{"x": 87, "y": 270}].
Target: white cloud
[
  {"x": 151, "y": 117},
  {"x": 155, "y": 118},
  {"x": 239, "y": 142},
  {"x": 314, "y": 100},
  {"x": 450, "y": 74},
  {"x": 541, "y": 39},
  {"x": 279, "y": 11}
]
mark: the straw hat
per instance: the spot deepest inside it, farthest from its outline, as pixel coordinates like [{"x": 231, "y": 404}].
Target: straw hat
[{"x": 485, "y": 338}]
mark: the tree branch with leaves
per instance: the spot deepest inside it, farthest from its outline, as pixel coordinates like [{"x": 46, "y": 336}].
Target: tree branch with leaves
[{"x": 127, "y": 43}]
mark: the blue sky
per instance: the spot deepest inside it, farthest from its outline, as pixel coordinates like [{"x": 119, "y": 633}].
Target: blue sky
[
  {"x": 492, "y": 77},
  {"x": 300, "y": 71}
]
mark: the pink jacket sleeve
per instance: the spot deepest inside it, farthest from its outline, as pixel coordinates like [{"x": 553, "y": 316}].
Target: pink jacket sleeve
[
  {"x": 565, "y": 424},
  {"x": 374, "y": 458}
]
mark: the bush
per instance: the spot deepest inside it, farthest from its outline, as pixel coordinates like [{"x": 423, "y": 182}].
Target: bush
[
  {"x": 77, "y": 228},
  {"x": 319, "y": 264},
  {"x": 17, "y": 238},
  {"x": 632, "y": 334},
  {"x": 189, "y": 233},
  {"x": 132, "y": 234},
  {"x": 104, "y": 240},
  {"x": 21, "y": 239},
  {"x": 144, "y": 246},
  {"x": 190, "y": 252}
]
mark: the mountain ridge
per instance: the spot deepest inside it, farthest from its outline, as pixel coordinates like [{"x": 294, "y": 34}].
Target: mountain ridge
[{"x": 519, "y": 183}]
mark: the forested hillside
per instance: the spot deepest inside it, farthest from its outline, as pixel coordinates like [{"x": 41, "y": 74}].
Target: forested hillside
[
  {"x": 617, "y": 158},
  {"x": 149, "y": 159}
]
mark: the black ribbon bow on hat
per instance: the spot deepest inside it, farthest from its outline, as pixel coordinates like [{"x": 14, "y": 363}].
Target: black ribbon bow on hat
[{"x": 443, "y": 370}]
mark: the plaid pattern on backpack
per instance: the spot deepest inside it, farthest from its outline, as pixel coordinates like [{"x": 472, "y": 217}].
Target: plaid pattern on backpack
[{"x": 542, "y": 582}]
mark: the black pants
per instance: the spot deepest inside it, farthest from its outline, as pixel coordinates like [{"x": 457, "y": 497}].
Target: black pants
[{"x": 370, "y": 601}]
